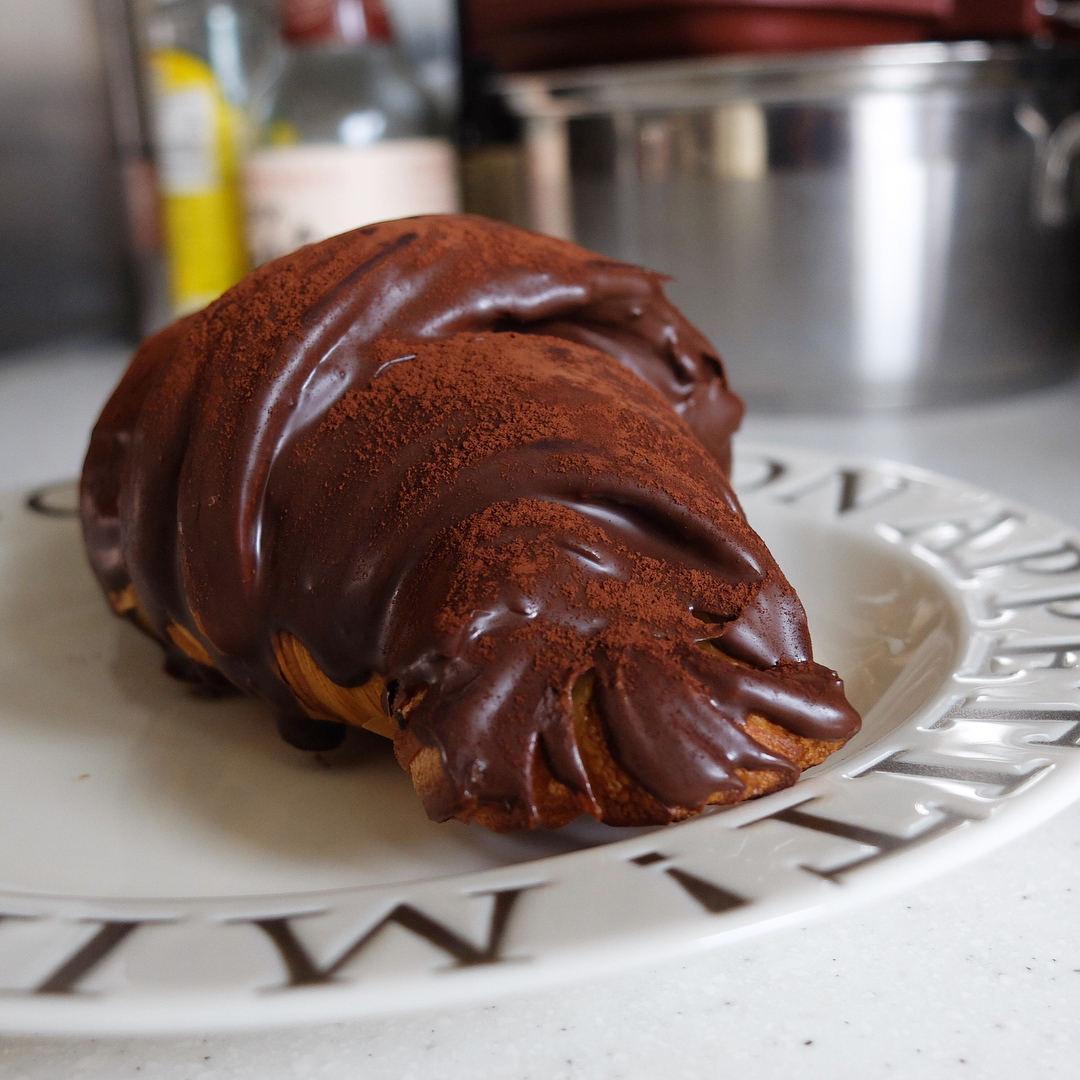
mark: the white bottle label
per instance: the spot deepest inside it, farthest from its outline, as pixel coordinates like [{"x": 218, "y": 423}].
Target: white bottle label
[
  {"x": 297, "y": 195},
  {"x": 187, "y": 124}
]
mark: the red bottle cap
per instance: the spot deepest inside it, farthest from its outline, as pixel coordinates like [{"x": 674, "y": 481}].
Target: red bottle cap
[{"x": 342, "y": 22}]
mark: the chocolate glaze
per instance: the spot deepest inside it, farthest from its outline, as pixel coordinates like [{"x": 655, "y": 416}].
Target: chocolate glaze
[{"x": 424, "y": 450}]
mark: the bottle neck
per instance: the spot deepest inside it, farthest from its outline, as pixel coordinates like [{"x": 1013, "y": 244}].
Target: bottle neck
[{"x": 334, "y": 22}]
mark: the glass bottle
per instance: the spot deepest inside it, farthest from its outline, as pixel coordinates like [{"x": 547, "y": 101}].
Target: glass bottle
[
  {"x": 205, "y": 58},
  {"x": 349, "y": 135}
]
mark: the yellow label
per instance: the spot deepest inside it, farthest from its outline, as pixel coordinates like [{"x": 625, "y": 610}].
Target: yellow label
[
  {"x": 198, "y": 142},
  {"x": 282, "y": 133}
]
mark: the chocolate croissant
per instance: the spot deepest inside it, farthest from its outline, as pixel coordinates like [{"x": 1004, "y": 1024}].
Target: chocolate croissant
[{"x": 464, "y": 486}]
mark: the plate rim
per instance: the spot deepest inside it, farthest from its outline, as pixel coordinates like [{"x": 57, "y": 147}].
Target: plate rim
[{"x": 77, "y": 1011}]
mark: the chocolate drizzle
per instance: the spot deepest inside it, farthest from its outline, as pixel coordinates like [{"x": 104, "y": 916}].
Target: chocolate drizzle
[{"x": 423, "y": 449}]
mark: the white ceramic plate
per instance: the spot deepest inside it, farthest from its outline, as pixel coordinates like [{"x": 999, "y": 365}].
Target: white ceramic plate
[{"x": 167, "y": 863}]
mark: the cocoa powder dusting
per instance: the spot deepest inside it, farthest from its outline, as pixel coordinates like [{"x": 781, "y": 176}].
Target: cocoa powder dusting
[{"x": 485, "y": 465}]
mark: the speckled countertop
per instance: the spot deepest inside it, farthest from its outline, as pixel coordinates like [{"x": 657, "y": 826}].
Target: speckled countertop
[{"x": 976, "y": 974}]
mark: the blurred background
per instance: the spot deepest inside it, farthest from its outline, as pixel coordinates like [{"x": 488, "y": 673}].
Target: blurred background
[{"x": 867, "y": 204}]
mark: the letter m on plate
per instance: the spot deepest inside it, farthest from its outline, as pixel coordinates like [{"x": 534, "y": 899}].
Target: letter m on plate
[{"x": 303, "y": 969}]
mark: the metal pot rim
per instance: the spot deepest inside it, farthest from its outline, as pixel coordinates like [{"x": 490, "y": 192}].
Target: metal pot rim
[{"x": 716, "y": 79}]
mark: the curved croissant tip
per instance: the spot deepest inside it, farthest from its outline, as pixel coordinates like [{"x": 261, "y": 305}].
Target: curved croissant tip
[{"x": 611, "y": 794}]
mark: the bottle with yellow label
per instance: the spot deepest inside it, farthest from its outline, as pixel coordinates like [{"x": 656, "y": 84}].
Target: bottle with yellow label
[{"x": 205, "y": 58}]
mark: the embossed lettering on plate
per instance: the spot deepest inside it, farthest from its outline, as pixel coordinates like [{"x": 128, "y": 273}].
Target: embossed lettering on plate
[{"x": 951, "y": 761}]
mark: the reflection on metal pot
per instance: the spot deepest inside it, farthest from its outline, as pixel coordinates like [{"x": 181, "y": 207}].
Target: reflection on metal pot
[{"x": 870, "y": 228}]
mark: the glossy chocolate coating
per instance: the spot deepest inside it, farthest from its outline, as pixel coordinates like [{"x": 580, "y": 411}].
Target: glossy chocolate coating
[{"x": 424, "y": 450}]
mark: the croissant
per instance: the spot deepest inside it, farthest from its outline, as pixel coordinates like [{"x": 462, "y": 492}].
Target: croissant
[{"x": 464, "y": 486}]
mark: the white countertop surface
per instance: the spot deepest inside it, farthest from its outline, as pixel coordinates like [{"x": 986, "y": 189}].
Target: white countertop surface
[{"x": 976, "y": 974}]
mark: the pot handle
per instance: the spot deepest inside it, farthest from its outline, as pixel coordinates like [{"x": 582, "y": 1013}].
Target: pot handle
[{"x": 1055, "y": 151}]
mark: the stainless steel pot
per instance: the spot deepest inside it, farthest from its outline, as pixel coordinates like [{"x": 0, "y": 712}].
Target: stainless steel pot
[{"x": 880, "y": 227}]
